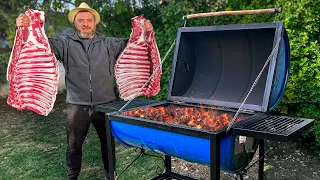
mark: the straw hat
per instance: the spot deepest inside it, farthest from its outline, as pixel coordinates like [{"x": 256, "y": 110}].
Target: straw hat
[{"x": 83, "y": 7}]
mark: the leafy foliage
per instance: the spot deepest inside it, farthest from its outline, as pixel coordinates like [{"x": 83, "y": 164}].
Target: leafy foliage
[
  {"x": 55, "y": 14},
  {"x": 312, "y": 111},
  {"x": 302, "y": 96},
  {"x": 301, "y": 20},
  {"x": 4, "y": 56}
]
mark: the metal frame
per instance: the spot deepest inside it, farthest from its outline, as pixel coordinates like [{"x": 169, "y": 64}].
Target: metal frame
[
  {"x": 214, "y": 137},
  {"x": 168, "y": 174},
  {"x": 261, "y": 159},
  {"x": 239, "y": 128},
  {"x": 186, "y": 130},
  {"x": 279, "y": 29},
  {"x": 111, "y": 149}
]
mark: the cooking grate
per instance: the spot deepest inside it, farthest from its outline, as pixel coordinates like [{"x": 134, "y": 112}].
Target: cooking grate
[
  {"x": 275, "y": 124},
  {"x": 272, "y": 127}
]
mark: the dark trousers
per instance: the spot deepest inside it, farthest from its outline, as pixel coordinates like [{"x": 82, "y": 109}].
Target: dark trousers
[{"x": 79, "y": 118}]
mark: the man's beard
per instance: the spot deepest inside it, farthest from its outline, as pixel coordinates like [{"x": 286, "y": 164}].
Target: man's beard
[{"x": 86, "y": 34}]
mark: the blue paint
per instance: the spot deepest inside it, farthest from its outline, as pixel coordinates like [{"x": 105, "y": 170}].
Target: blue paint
[
  {"x": 186, "y": 147},
  {"x": 282, "y": 72}
]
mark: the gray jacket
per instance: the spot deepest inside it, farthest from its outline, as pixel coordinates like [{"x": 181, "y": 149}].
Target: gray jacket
[{"x": 89, "y": 74}]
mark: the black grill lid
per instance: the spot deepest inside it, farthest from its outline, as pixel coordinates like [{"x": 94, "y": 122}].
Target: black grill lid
[{"x": 217, "y": 65}]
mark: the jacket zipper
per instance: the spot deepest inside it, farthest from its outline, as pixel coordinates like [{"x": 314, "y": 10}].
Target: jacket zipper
[
  {"x": 90, "y": 76},
  {"x": 90, "y": 82}
]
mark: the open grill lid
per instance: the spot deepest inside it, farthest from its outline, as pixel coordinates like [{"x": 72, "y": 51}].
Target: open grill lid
[{"x": 217, "y": 65}]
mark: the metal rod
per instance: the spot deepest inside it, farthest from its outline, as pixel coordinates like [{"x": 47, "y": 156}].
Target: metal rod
[
  {"x": 185, "y": 21},
  {"x": 177, "y": 176},
  {"x": 141, "y": 154},
  {"x": 261, "y": 159},
  {"x": 167, "y": 161},
  {"x": 275, "y": 15},
  {"x": 160, "y": 177},
  {"x": 135, "y": 95},
  {"x": 214, "y": 157},
  {"x": 254, "y": 84},
  {"x": 110, "y": 148},
  {"x": 158, "y": 172},
  {"x": 240, "y": 176}
]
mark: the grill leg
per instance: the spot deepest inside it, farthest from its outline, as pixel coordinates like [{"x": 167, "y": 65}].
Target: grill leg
[
  {"x": 261, "y": 157},
  {"x": 214, "y": 157},
  {"x": 111, "y": 149},
  {"x": 167, "y": 161}
]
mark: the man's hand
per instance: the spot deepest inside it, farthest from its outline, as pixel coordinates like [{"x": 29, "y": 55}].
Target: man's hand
[
  {"x": 148, "y": 25},
  {"x": 23, "y": 20}
]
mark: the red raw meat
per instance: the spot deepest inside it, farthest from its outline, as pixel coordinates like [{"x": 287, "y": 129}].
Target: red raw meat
[
  {"x": 137, "y": 63},
  {"x": 33, "y": 71}
]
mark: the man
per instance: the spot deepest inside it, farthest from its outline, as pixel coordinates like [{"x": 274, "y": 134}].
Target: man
[{"x": 88, "y": 58}]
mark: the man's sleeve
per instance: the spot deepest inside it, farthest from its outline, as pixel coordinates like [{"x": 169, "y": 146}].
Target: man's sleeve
[
  {"x": 122, "y": 44},
  {"x": 115, "y": 47},
  {"x": 56, "y": 45}
]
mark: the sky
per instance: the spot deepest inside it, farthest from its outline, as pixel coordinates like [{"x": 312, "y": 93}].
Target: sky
[{"x": 71, "y": 6}]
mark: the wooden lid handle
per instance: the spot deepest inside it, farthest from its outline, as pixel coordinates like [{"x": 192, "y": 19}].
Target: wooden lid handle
[{"x": 228, "y": 13}]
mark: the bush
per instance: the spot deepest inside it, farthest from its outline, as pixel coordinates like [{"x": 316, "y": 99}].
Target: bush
[
  {"x": 301, "y": 19},
  {"x": 302, "y": 96}
]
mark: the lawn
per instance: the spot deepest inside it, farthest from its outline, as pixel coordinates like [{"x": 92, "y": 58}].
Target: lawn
[{"x": 33, "y": 147}]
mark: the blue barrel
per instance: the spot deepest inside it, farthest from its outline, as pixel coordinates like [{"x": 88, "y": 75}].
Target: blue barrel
[
  {"x": 282, "y": 72},
  {"x": 186, "y": 147}
]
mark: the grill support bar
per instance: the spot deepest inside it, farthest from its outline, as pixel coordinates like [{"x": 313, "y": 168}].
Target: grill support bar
[
  {"x": 214, "y": 157},
  {"x": 261, "y": 158},
  {"x": 111, "y": 149},
  {"x": 167, "y": 162}
]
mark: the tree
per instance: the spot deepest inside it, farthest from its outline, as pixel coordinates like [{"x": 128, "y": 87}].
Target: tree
[{"x": 55, "y": 14}]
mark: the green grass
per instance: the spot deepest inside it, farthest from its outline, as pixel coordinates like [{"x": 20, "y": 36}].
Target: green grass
[{"x": 33, "y": 147}]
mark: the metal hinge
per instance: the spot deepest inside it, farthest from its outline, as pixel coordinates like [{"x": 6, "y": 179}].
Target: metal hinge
[
  {"x": 247, "y": 110},
  {"x": 178, "y": 102},
  {"x": 242, "y": 110},
  {"x": 223, "y": 107}
]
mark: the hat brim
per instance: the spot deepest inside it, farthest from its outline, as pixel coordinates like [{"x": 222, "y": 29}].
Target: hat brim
[{"x": 74, "y": 12}]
